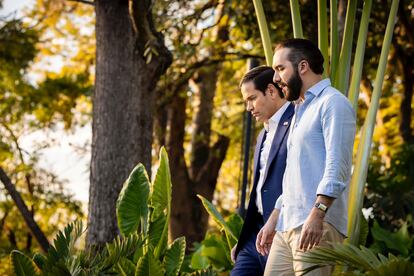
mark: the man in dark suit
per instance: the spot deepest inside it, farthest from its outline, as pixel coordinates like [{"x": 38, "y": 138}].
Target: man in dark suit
[{"x": 266, "y": 102}]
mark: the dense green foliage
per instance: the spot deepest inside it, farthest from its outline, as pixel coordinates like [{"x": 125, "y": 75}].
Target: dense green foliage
[{"x": 140, "y": 250}]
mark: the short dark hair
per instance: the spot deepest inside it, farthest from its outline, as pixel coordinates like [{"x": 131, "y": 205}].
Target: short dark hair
[
  {"x": 303, "y": 49},
  {"x": 261, "y": 76}
]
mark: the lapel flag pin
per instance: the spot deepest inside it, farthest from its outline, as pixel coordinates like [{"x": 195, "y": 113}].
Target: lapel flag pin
[{"x": 285, "y": 123}]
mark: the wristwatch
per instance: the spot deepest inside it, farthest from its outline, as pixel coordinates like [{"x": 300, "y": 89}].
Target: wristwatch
[{"x": 321, "y": 207}]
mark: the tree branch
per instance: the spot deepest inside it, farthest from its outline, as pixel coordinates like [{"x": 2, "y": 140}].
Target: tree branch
[
  {"x": 92, "y": 3},
  {"x": 211, "y": 169},
  {"x": 21, "y": 205}
]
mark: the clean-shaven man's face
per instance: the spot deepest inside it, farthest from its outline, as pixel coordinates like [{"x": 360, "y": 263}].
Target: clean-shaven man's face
[
  {"x": 262, "y": 106},
  {"x": 286, "y": 75}
]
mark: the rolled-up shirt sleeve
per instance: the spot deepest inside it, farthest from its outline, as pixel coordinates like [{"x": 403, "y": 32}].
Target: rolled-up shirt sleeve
[
  {"x": 278, "y": 204},
  {"x": 338, "y": 127}
]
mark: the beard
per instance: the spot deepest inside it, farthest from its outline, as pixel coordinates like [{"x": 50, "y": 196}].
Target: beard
[{"x": 294, "y": 86}]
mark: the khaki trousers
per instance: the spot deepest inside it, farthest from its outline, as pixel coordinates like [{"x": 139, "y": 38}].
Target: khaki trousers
[{"x": 285, "y": 248}]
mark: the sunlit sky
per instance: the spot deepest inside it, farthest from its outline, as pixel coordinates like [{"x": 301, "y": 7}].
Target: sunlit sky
[{"x": 62, "y": 159}]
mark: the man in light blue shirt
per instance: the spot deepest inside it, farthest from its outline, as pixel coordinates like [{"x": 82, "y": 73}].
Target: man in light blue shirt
[{"x": 312, "y": 209}]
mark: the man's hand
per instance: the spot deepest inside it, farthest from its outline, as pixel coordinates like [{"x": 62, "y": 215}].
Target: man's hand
[
  {"x": 265, "y": 238},
  {"x": 312, "y": 230},
  {"x": 233, "y": 253}
]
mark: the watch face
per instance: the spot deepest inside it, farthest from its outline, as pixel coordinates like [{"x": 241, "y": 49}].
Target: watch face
[{"x": 321, "y": 206}]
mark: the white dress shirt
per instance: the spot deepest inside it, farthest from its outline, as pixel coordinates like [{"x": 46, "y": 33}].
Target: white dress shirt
[{"x": 270, "y": 128}]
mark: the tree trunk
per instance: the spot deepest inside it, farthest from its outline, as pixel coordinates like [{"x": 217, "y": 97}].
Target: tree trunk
[
  {"x": 122, "y": 106},
  {"x": 405, "y": 53}
]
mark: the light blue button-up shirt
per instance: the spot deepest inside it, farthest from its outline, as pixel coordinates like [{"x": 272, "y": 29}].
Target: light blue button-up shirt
[{"x": 319, "y": 158}]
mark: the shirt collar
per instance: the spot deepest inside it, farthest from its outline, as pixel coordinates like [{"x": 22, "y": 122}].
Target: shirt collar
[
  {"x": 273, "y": 122},
  {"x": 317, "y": 88}
]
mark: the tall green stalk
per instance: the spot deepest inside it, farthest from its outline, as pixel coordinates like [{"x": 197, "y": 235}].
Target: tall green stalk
[
  {"x": 341, "y": 78},
  {"x": 264, "y": 31},
  {"x": 358, "y": 180},
  {"x": 296, "y": 21},
  {"x": 323, "y": 33},
  {"x": 359, "y": 55},
  {"x": 334, "y": 38}
]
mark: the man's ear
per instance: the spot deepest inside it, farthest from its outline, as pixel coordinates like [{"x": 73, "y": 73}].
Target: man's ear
[
  {"x": 303, "y": 67},
  {"x": 272, "y": 90}
]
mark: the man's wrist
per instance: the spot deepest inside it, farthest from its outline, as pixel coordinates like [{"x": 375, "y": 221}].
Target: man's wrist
[
  {"x": 321, "y": 206},
  {"x": 318, "y": 213}
]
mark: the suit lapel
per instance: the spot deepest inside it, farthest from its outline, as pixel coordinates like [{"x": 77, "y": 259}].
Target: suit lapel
[
  {"x": 259, "y": 143},
  {"x": 281, "y": 131}
]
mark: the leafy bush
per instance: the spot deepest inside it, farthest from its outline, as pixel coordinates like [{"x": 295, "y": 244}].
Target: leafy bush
[{"x": 143, "y": 212}]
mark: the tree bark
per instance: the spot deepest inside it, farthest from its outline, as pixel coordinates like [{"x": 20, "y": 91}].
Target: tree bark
[
  {"x": 122, "y": 105},
  {"x": 24, "y": 211},
  {"x": 405, "y": 53}
]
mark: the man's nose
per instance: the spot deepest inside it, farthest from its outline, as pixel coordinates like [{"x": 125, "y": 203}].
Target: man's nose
[
  {"x": 276, "y": 77},
  {"x": 249, "y": 107}
]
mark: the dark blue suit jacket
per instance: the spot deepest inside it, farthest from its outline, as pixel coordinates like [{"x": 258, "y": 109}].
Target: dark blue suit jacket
[{"x": 272, "y": 186}]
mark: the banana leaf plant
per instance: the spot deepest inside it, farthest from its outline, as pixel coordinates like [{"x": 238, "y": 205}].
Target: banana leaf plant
[{"x": 143, "y": 212}]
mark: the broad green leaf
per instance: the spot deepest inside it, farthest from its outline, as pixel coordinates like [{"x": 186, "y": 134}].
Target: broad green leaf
[
  {"x": 203, "y": 272},
  {"x": 149, "y": 266},
  {"x": 218, "y": 218},
  {"x": 394, "y": 241},
  {"x": 161, "y": 189},
  {"x": 161, "y": 200},
  {"x": 132, "y": 204},
  {"x": 155, "y": 233},
  {"x": 22, "y": 265},
  {"x": 214, "y": 247},
  {"x": 235, "y": 223},
  {"x": 198, "y": 261},
  {"x": 174, "y": 257}
]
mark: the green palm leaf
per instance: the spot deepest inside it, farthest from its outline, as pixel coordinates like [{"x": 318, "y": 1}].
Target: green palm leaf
[
  {"x": 121, "y": 248},
  {"x": 296, "y": 20},
  {"x": 334, "y": 38},
  {"x": 22, "y": 265},
  {"x": 341, "y": 78},
  {"x": 264, "y": 31},
  {"x": 125, "y": 267},
  {"x": 323, "y": 34},
  {"x": 218, "y": 218},
  {"x": 394, "y": 267},
  {"x": 358, "y": 179},
  {"x": 174, "y": 257},
  {"x": 156, "y": 233},
  {"x": 360, "y": 259},
  {"x": 235, "y": 223},
  {"x": 149, "y": 266},
  {"x": 132, "y": 204},
  {"x": 161, "y": 189},
  {"x": 161, "y": 201}
]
